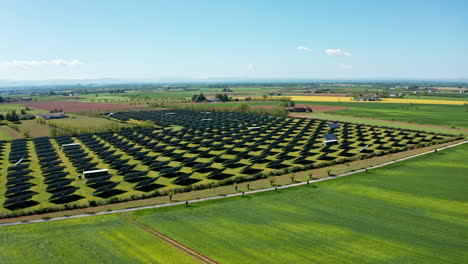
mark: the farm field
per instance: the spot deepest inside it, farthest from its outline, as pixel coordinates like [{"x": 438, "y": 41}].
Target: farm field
[
  {"x": 100, "y": 239},
  {"x": 462, "y": 97},
  {"x": 34, "y": 129},
  {"x": 380, "y": 122},
  {"x": 7, "y": 133},
  {"x": 440, "y": 115},
  {"x": 384, "y": 100},
  {"x": 188, "y": 150},
  {"x": 86, "y": 122},
  {"x": 403, "y": 213},
  {"x": 9, "y": 107},
  {"x": 72, "y": 106},
  {"x": 410, "y": 212}
]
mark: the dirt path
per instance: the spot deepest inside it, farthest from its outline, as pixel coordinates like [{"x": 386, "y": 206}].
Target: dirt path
[{"x": 184, "y": 249}]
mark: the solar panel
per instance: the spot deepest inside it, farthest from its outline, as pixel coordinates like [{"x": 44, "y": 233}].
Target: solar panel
[
  {"x": 330, "y": 136},
  {"x": 58, "y": 184},
  {"x": 105, "y": 188},
  {"x": 18, "y": 189},
  {"x": 145, "y": 183},
  {"x": 63, "y": 194},
  {"x": 333, "y": 125},
  {"x": 18, "y": 199},
  {"x": 95, "y": 180},
  {"x": 18, "y": 167},
  {"x": 18, "y": 180},
  {"x": 55, "y": 176}
]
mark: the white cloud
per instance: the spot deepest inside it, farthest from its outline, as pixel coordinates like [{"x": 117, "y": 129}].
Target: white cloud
[
  {"x": 302, "y": 48},
  {"x": 337, "y": 52},
  {"x": 250, "y": 67},
  {"x": 34, "y": 63},
  {"x": 345, "y": 66}
]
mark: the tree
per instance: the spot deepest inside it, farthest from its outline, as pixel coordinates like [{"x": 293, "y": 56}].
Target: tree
[
  {"x": 223, "y": 97},
  {"x": 198, "y": 98},
  {"x": 13, "y": 116}
]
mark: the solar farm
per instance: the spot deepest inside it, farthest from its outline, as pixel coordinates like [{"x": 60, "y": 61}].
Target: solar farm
[{"x": 184, "y": 148}]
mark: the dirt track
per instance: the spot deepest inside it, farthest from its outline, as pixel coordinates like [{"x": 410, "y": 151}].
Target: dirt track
[{"x": 184, "y": 249}]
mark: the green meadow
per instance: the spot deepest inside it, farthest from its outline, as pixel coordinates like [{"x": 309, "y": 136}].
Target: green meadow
[
  {"x": 98, "y": 239},
  {"x": 411, "y": 212}
]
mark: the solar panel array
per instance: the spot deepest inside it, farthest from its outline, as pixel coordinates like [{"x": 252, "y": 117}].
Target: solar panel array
[
  {"x": 58, "y": 182},
  {"x": 201, "y": 148},
  {"x": 18, "y": 185}
]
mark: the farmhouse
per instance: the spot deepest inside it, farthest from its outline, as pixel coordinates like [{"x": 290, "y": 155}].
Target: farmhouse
[
  {"x": 368, "y": 98},
  {"x": 53, "y": 115}
]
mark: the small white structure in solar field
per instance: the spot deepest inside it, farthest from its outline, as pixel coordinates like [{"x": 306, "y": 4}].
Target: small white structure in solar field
[
  {"x": 19, "y": 161},
  {"x": 171, "y": 113},
  {"x": 95, "y": 173},
  {"x": 329, "y": 138},
  {"x": 363, "y": 148},
  {"x": 252, "y": 128},
  {"x": 206, "y": 119},
  {"x": 70, "y": 145}
]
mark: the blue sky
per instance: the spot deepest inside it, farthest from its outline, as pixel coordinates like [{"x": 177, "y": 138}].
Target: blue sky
[{"x": 258, "y": 39}]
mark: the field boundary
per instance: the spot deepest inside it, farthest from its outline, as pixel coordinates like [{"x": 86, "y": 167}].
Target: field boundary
[
  {"x": 230, "y": 195},
  {"x": 171, "y": 242}
]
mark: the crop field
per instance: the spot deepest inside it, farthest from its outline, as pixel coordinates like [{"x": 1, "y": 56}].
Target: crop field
[
  {"x": 381, "y": 122},
  {"x": 100, "y": 239},
  {"x": 187, "y": 148},
  {"x": 9, "y": 107},
  {"x": 384, "y": 100},
  {"x": 72, "y": 106},
  {"x": 440, "y": 115},
  {"x": 415, "y": 211},
  {"x": 8, "y": 133},
  {"x": 34, "y": 128},
  {"x": 410, "y": 212},
  {"x": 82, "y": 121}
]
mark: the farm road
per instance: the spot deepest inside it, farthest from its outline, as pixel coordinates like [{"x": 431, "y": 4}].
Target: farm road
[
  {"x": 228, "y": 195},
  {"x": 184, "y": 249}
]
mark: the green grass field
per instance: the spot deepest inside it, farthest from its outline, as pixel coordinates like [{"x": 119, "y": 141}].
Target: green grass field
[
  {"x": 81, "y": 121},
  {"x": 411, "y": 212},
  {"x": 99, "y": 239},
  {"x": 7, "y": 133},
  {"x": 5, "y": 108},
  {"x": 441, "y": 115},
  {"x": 380, "y": 122}
]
